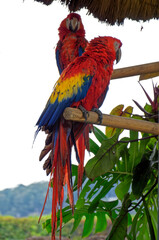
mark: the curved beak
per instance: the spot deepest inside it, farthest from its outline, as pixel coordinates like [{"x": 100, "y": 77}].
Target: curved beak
[
  {"x": 118, "y": 55},
  {"x": 73, "y": 26}
]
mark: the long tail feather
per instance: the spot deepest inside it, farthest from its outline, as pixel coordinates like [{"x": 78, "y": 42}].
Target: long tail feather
[
  {"x": 59, "y": 143},
  {"x": 81, "y": 150}
]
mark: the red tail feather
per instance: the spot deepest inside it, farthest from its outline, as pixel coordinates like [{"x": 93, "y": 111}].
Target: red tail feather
[
  {"x": 81, "y": 151},
  {"x": 60, "y": 173}
]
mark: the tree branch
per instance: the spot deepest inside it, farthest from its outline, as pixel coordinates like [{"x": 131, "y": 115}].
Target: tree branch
[
  {"x": 75, "y": 114},
  {"x": 135, "y": 70}
]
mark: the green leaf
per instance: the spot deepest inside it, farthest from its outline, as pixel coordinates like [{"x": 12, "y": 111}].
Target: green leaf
[
  {"x": 74, "y": 169},
  {"x": 109, "y": 205},
  {"x": 142, "y": 227},
  {"x": 119, "y": 228},
  {"x": 123, "y": 187},
  {"x": 93, "y": 147},
  {"x": 88, "y": 225},
  {"x": 47, "y": 225},
  {"x": 143, "y": 144},
  {"x": 152, "y": 233},
  {"x": 99, "y": 134},
  {"x": 133, "y": 151},
  {"x": 148, "y": 108},
  {"x": 104, "y": 160},
  {"x": 118, "y": 111},
  {"x": 77, "y": 220},
  {"x": 101, "y": 223},
  {"x": 81, "y": 199},
  {"x": 123, "y": 156},
  {"x": 106, "y": 188},
  {"x": 154, "y": 216},
  {"x": 141, "y": 176},
  {"x": 134, "y": 229}
]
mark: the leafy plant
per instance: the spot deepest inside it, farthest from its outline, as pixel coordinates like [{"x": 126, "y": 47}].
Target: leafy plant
[{"x": 127, "y": 166}]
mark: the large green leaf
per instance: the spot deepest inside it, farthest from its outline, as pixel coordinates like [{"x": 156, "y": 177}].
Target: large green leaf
[
  {"x": 149, "y": 220},
  {"x": 134, "y": 229},
  {"x": 143, "y": 144},
  {"x": 123, "y": 187},
  {"x": 105, "y": 189},
  {"x": 93, "y": 147},
  {"x": 104, "y": 160},
  {"x": 123, "y": 156},
  {"x": 119, "y": 228},
  {"x": 142, "y": 227},
  {"x": 141, "y": 176},
  {"x": 47, "y": 225},
  {"x": 108, "y": 205},
  {"x": 153, "y": 212},
  {"x": 118, "y": 111},
  {"x": 133, "y": 151},
  {"x": 99, "y": 134},
  {"x": 101, "y": 223},
  {"x": 77, "y": 220},
  {"x": 81, "y": 200},
  {"x": 88, "y": 225}
]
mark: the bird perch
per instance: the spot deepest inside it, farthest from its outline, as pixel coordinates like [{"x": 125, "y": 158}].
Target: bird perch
[
  {"x": 135, "y": 70},
  {"x": 75, "y": 114}
]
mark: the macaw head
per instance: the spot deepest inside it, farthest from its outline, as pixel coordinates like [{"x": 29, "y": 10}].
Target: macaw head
[
  {"x": 108, "y": 47},
  {"x": 71, "y": 24}
]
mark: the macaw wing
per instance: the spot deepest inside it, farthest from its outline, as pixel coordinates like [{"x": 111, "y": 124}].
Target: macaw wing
[
  {"x": 66, "y": 91},
  {"x": 57, "y": 52},
  {"x": 80, "y": 50}
]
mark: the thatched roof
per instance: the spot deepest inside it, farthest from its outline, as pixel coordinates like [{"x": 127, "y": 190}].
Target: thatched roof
[{"x": 114, "y": 11}]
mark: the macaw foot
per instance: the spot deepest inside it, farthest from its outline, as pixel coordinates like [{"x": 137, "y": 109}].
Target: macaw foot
[
  {"x": 100, "y": 115},
  {"x": 84, "y": 111}
]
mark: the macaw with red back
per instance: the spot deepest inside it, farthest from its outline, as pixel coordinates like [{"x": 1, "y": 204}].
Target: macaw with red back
[
  {"x": 81, "y": 84},
  {"x": 71, "y": 44}
]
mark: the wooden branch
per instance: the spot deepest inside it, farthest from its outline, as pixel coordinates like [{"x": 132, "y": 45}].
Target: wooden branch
[
  {"x": 75, "y": 114},
  {"x": 135, "y": 70}
]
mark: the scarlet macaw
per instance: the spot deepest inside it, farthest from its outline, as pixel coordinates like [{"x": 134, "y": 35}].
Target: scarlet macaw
[
  {"x": 71, "y": 44},
  {"x": 82, "y": 83}
]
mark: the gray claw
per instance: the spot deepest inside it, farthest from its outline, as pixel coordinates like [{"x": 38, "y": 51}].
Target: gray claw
[
  {"x": 84, "y": 112},
  {"x": 100, "y": 115}
]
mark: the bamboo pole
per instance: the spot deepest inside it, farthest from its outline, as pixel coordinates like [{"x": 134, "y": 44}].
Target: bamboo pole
[
  {"x": 75, "y": 114},
  {"x": 135, "y": 70}
]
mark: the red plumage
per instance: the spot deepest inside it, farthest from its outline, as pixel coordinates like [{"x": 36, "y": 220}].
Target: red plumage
[
  {"x": 72, "y": 42},
  {"x": 84, "y": 82}
]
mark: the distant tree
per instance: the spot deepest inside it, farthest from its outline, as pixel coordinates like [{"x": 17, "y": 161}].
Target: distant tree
[{"x": 24, "y": 200}]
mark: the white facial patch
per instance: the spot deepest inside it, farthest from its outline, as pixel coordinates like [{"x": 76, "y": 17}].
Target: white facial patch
[
  {"x": 116, "y": 46},
  {"x": 67, "y": 23}
]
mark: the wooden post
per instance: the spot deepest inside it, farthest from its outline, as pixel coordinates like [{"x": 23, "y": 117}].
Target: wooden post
[
  {"x": 75, "y": 114},
  {"x": 135, "y": 70}
]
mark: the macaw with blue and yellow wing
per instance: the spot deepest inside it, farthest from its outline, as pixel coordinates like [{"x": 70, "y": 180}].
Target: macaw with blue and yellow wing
[
  {"x": 71, "y": 44},
  {"x": 81, "y": 84}
]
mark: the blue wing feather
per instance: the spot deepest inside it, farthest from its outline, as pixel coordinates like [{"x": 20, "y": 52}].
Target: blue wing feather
[
  {"x": 80, "y": 51},
  {"x": 53, "y": 111},
  {"x": 58, "y": 60}
]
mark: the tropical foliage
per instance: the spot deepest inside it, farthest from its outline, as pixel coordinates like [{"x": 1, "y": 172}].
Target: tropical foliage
[{"x": 129, "y": 166}]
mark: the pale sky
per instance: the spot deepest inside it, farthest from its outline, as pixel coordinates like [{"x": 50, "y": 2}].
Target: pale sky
[{"x": 28, "y": 71}]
